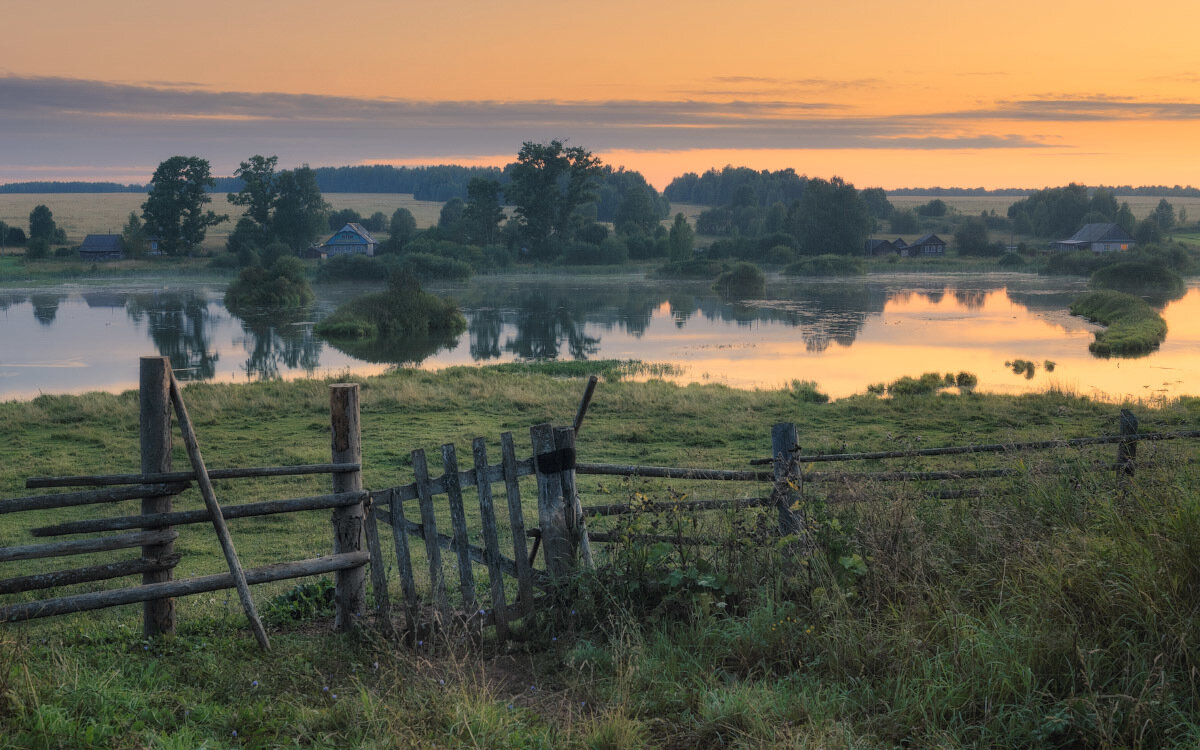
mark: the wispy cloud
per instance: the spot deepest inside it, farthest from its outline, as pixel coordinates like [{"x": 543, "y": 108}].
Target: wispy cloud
[{"x": 56, "y": 122}]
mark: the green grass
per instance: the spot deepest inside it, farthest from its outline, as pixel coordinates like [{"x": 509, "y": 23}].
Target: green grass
[
  {"x": 1133, "y": 327},
  {"x": 1054, "y": 611},
  {"x": 827, "y": 265}
]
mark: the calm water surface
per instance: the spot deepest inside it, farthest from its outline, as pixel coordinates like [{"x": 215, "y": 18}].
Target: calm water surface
[{"x": 843, "y": 335}]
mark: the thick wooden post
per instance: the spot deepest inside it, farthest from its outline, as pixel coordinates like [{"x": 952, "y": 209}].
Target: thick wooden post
[
  {"x": 154, "y": 424},
  {"x": 1127, "y": 448},
  {"x": 564, "y": 442},
  {"x": 350, "y": 585},
  {"x": 554, "y": 509},
  {"x": 789, "y": 482}
]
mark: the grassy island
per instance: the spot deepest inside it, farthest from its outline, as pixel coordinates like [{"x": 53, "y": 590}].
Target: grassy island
[{"x": 1133, "y": 327}]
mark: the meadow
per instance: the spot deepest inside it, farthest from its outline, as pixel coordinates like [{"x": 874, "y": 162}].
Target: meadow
[
  {"x": 80, "y": 214},
  {"x": 1053, "y": 611}
]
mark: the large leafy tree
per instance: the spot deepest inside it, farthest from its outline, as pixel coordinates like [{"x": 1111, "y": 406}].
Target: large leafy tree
[
  {"x": 831, "y": 218},
  {"x": 41, "y": 224},
  {"x": 301, "y": 212},
  {"x": 483, "y": 212},
  {"x": 258, "y": 188},
  {"x": 549, "y": 183},
  {"x": 175, "y": 211}
]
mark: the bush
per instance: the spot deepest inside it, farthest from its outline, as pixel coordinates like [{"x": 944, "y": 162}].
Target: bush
[
  {"x": 429, "y": 267},
  {"x": 827, "y": 265},
  {"x": 743, "y": 280},
  {"x": 695, "y": 268},
  {"x": 1139, "y": 278},
  {"x": 64, "y": 252},
  {"x": 930, "y": 382},
  {"x": 403, "y": 310},
  {"x": 225, "y": 262},
  {"x": 1011, "y": 260},
  {"x": 282, "y": 285},
  {"x": 352, "y": 268},
  {"x": 37, "y": 249},
  {"x": 780, "y": 255}
]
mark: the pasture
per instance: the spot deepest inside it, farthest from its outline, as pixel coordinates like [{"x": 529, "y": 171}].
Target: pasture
[
  {"x": 973, "y": 205},
  {"x": 80, "y": 214}
]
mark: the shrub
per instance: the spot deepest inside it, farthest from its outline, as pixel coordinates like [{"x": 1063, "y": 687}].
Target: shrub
[
  {"x": 805, "y": 391},
  {"x": 695, "y": 268},
  {"x": 827, "y": 265},
  {"x": 37, "y": 249},
  {"x": 1139, "y": 278},
  {"x": 352, "y": 267},
  {"x": 429, "y": 267},
  {"x": 403, "y": 310},
  {"x": 282, "y": 285},
  {"x": 743, "y": 280},
  {"x": 1011, "y": 260},
  {"x": 930, "y": 382}
]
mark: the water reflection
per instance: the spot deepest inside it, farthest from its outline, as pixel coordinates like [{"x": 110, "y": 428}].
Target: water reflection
[
  {"x": 179, "y": 324},
  {"x": 839, "y": 333},
  {"x": 278, "y": 340},
  {"x": 45, "y": 307}
]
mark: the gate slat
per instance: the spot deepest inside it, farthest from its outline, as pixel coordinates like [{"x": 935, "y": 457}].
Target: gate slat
[
  {"x": 458, "y": 519},
  {"x": 429, "y": 526},
  {"x": 516, "y": 516},
  {"x": 490, "y": 539},
  {"x": 408, "y": 586}
]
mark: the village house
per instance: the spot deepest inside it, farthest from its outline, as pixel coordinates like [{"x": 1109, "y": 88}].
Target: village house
[
  {"x": 350, "y": 239},
  {"x": 1099, "y": 238},
  {"x": 928, "y": 244},
  {"x": 880, "y": 247},
  {"x": 102, "y": 247}
]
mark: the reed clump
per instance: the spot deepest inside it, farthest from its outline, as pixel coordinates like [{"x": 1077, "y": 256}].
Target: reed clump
[{"x": 1133, "y": 327}]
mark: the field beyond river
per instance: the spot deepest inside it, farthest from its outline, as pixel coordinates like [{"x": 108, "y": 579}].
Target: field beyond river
[{"x": 1058, "y": 608}]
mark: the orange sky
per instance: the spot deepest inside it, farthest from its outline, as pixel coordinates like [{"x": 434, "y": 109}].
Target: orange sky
[{"x": 896, "y": 93}]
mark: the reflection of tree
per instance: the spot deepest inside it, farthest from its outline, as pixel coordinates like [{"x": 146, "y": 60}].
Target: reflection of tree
[
  {"x": 45, "y": 307},
  {"x": 178, "y": 323},
  {"x": 8, "y": 300},
  {"x": 485, "y": 326},
  {"x": 280, "y": 337},
  {"x": 972, "y": 299},
  {"x": 394, "y": 351},
  {"x": 544, "y": 323},
  {"x": 682, "y": 307}
]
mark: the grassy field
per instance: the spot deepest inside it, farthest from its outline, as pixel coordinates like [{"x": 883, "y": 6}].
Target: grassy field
[
  {"x": 1054, "y": 611},
  {"x": 80, "y": 214},
  {"x": 972, "y": 205}
]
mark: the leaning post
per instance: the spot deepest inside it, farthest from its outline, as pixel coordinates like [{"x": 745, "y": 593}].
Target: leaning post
[
  {"x": 154, "y": 430},
  {"x": 350, "y": 585}
]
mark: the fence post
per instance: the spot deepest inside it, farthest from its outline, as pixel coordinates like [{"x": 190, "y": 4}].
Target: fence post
[
  {"x": 789, "y": 482},
  {"x": 350, "y": 585},
  {"x": 1127, "y": 448},
  {"x": 554, "y": 510},
  {"x": 154, "y": 430}
]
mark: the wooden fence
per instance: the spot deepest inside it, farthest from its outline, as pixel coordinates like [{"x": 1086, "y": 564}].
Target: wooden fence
[
  {"x": 561, "y": 531},
  {"x": 156, "y": 486}
]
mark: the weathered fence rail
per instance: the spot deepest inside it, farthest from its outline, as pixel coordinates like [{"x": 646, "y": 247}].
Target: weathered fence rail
[{"x": 154, "y": 529}]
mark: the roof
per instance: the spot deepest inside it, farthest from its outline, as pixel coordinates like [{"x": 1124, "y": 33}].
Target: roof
[
  {"x": 1100, "y": 232},
  {"x": 928, "y": 239},
  {"x": 353, "y": 228},
  {"x": 101, "y": 243}
]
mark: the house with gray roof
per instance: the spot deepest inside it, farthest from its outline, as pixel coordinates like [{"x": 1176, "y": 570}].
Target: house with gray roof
[
  {"x": 1099, "y": 238},
  {"x": 350, "y": 239},
  {"x": 927, "y": 244},
  {"x": 102, "y": 247}
]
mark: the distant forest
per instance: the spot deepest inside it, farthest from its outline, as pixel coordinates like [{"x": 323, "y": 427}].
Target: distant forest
[{"x": 445, "y": 182}]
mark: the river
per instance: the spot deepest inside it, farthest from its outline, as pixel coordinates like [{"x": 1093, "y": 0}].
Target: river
[{"x": 844, "y": 335}]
